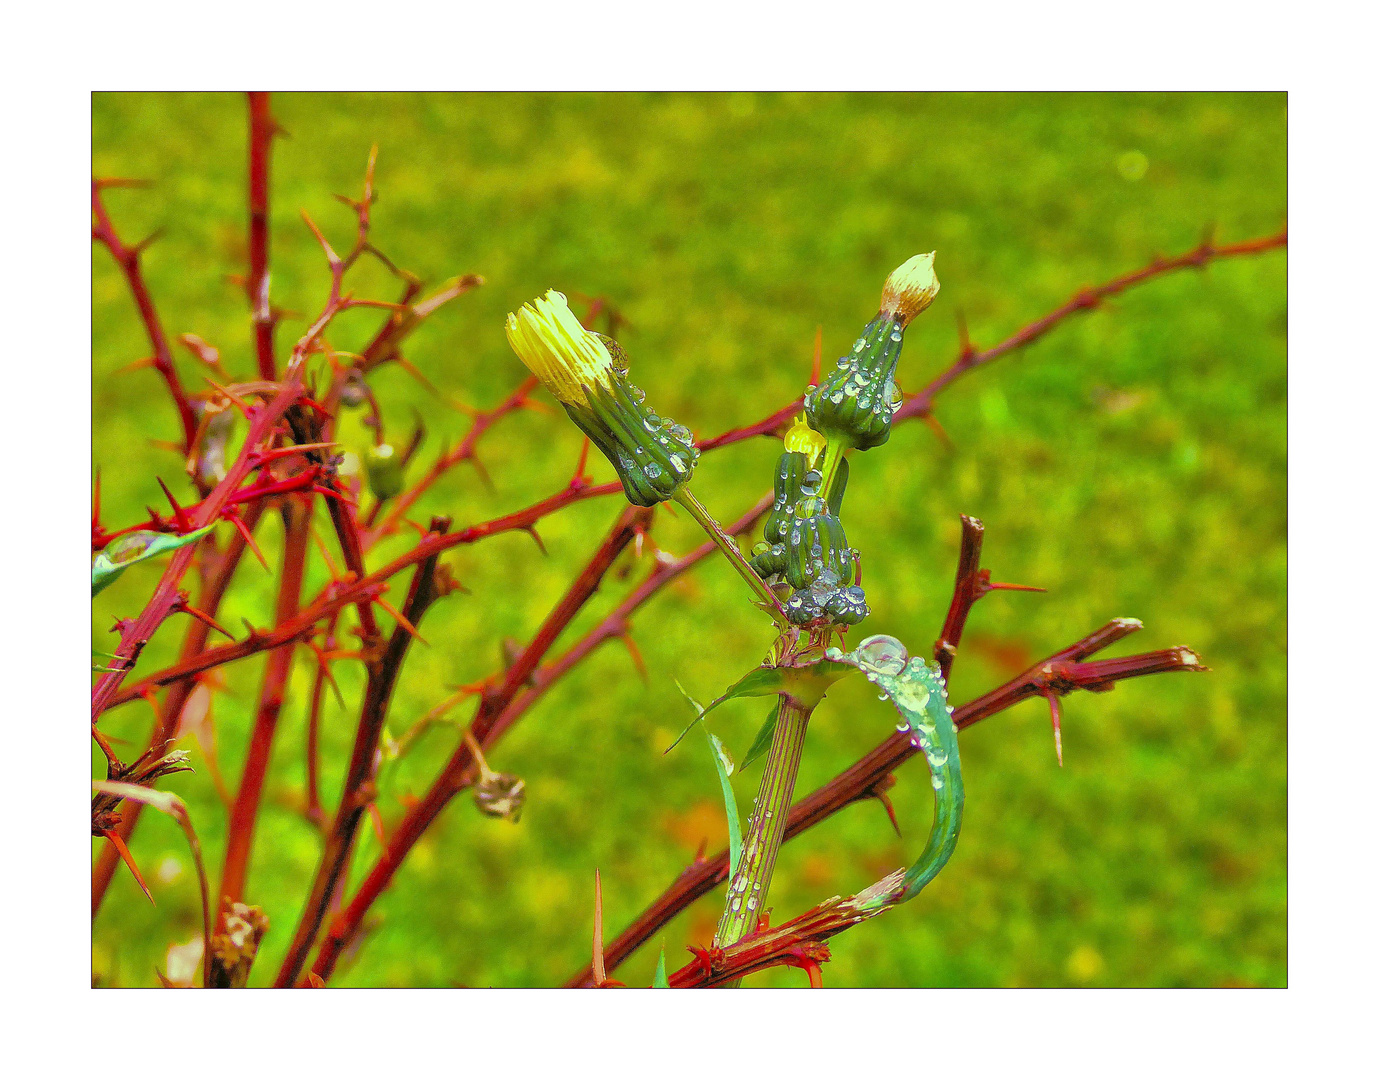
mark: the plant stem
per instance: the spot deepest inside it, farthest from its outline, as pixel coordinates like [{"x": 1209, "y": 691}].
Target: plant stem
[
  {"x": 748, "y": 888},
  {"x": 728, "y": 546}
]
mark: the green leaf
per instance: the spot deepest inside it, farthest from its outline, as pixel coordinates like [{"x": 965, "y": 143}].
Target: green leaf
[
  {"x": 756, "y": 683},
  {"x": 659, "y": 981},
  {"x": 764, "y": 736},
  {"x": 123, "y": 552},
  {"x": 724, "y": 764}
]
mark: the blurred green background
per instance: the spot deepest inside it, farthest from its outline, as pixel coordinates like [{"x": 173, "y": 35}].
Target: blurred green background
[{"x": 1132, "y": 462}]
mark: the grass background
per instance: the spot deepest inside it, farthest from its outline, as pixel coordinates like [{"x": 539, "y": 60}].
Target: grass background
[{"x": 1132, "y": 462}]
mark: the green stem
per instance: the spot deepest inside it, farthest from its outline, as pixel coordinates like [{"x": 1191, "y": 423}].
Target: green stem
[
  {"x": 728, "y": 546},
  {"x": 766, "y": 830}
]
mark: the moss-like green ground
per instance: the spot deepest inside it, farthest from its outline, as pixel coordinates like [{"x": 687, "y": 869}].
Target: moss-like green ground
[{"x": 1132, "y": 463}]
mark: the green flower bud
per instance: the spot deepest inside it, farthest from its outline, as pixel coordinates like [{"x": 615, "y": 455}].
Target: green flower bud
[
  {"x": 385, "y": 471},
  {"x": 816, "y": 543},
  {"x": 854, "y": 402},
  {"x": 588, "y": 375}
]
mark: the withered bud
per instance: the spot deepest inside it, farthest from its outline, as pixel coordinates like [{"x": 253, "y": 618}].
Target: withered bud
[
  {"x": 500, "y": 795},
  {"x": 233, "y": 949},
  {"x": 910, "y": 289}
]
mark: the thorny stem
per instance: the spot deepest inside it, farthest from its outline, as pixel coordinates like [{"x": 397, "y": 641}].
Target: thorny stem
[
  {"x": 128, "y": 259},
  {"x": 354, "y": 799},
  {"x": 244, "y": 813},
  {"x": 870, "y": 773},
  {"x": 766, "y": 828},
  {"x": 262, "y": 128},
  {"x": 216, "y": 580},
  {"x": 500, "y": 711},
  {"x": 732, "y": 551}
]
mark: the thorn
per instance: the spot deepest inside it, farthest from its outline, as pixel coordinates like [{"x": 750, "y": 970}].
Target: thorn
[
  {"x": 321, "y": 546},
  {"x": 377, "y": 823},
  {"x": 885, "y": 800},
  {"x": 932, "y": 422},
  {"x": 202, "y": 617},
  {"x": 147, "y": 242},
  {"x": 96, "y": 500},
  {"x": 483, "y": 475},
  {"x": 238, "y": 401},
  {"x": 1057, "y": 725},
  {"x": 998, "y": 586},
  {"x": 816, "y": 370},
  {"x": 699, "y": 855},
  {"x": 238, "y": 523},
  {"x": 581, "y": 478},
  {"x": 118, "y": 841},
  {"x": 137, "y": 365},
  {"x": 331, "y": 257},
  {"x": 412, "y": 370},
  {"x": 600, "y": 975},
  {"x": 763, "y": 923},
  {"x": 636, "y": 655},
  {"x": 537, "y": 537},
  {"x": 402, "y": 621},
  {"x": 184, "y": 523}
]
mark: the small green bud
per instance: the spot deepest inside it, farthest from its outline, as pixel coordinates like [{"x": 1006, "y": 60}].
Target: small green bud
[
  {"x": 853, "y": 403},
  {"x": 385, "y": 471}
]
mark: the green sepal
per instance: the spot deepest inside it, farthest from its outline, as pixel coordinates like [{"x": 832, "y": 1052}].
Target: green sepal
[
  {"x": 790, "y": 474},
  {"x": 653, "y": 456},
  {"x": 853, "y": 402},
  {"x": 816, "y": 527},
  {"x": 124, "y": 551},
  {"x": 659, "y": 980}
]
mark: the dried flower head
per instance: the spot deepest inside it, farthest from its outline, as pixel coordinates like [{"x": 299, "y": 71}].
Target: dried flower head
[{"x": 910, "y": 289}]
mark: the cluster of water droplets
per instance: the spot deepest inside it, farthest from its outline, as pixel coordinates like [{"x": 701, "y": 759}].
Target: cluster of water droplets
[{"x": 826, "y": 600}]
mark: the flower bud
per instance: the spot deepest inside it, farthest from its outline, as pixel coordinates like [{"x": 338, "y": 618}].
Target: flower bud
[
  {"x": 385, "y": 471},
  {"x": 652, "y": 456},
  {"x": 500, "y": 795},
  {"x": 815, "y": 544},
  {"x": 910, "y": 289},
  {"x": 854, "y": 402}
]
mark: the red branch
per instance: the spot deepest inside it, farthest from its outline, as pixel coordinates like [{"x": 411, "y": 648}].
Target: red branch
[
  {"x": 1060, "y": 674},
  {"x": 500, "y": 710},
  {"x": 922, "y": 403},
  {"x": 262, "y": 128},
  {"x": 103, "y": 231}
]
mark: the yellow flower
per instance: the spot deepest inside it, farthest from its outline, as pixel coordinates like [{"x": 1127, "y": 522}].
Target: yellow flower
[
  {"x": 567, "y": 358},
  {"x": 803, "y": 439},
  {"x": 587, "y": 373}
]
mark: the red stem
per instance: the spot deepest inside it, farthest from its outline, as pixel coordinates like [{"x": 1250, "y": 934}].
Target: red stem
[
  {"x": 261, "y": 131},
  {"x": 215, "y": 582},
  {"x": 383, "y": 673},
  {"x": 499, "y": 711},
  {"x": 127, "y": 258},
  {"x": 244, "y": 813}
]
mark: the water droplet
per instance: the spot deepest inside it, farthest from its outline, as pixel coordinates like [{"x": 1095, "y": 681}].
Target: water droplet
[
  {"x": 810, "y": 484},
  {"x": 896, "y": 335},
  {"x": 861, "y": 344},
  {"x": 677, "y": 466},
  {"x": 882, "y": 653},
  {"x": 751, "y": 903},
  {"x": 652, "y": 422},
  {"x": 652, "y": 470},
  {"x": 836, "y": 396}
]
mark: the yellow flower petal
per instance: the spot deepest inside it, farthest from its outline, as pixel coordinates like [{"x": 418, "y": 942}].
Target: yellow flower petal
[{"x": 548, "y": 338}]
